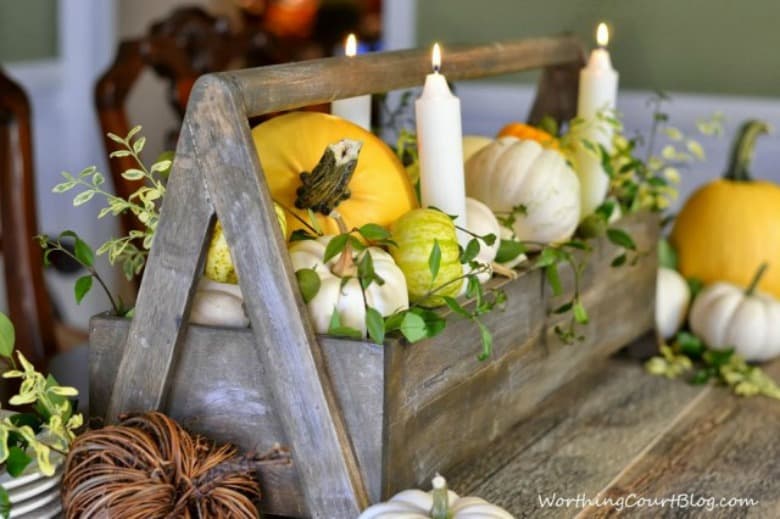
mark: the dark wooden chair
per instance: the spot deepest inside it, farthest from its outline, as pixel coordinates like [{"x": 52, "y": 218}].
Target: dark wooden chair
[{"x": 29, "y": 306}]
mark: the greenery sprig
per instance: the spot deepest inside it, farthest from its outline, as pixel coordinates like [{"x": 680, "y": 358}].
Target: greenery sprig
[
  {"x": 688, "y": 354},
  {"x": 51, "y": 413}
]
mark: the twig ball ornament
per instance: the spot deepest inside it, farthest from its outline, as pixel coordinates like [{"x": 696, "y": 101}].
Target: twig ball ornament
[{"x": 149, "y": 467}]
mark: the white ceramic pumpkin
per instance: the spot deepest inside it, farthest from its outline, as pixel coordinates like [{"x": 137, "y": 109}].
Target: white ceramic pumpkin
[
  {"x": 725, "y": 316},
  {"x": 347, "y": 300},
  {"x": 472, "y": 144},
  {"x": 439, "y": 503},
  {"x": 672, "y": 297},
  {"x": 481, "y": 221},
  {"x": 218, "y": 304},
  {"x": 512, "y": 172}
]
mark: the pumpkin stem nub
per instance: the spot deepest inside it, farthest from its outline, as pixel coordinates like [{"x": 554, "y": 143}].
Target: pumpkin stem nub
[
  {"x": 743, "y": 149},
  {"x": 441, "y": 498},
  {"x": 756, "y": 279},
  {"x": 326, "y": 186}
]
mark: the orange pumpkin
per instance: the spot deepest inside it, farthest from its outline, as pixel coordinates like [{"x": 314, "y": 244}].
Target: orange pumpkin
[
  {"x": 379, "y": 190},
  {"x": 527, "y": 132}
]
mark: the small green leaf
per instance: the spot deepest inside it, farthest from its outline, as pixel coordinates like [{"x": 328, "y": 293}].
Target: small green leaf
[
  {"x": 619, "y": 261},
  {"x": 133, "y": 174},
  {"x": 689, "y": 344},
  {"x": 549, "y": 256},
  {"x": 375, "y": 324},
  {"x": 65, "y": 186},
  {"x": 82, "y": 286},
  {"x": 563, "y": 308},
  {"x": 509, "y": 250},
  {"x": 667, "y": 256},
  {"x": 83, "y": 197},
  {"x": 434, "y": 260},
  {"x": 119, "y": 154},
  {"x": 374, "y": 232},
  {"x": 308, "y": 283},
  {"x": 413, "y": 327},
  {"x": 701, "y": 376},
  {"x": 453, "y": 305},
  {"x": 434, "y": 322},
  {"x": 161, "y": 166},
  {"x": 717, "y": 358},
  {"x": 488, "y": 239},
  {"x": 551, "y": 271},
  {"x": 486, "y": 338},
  {"x": 138, "y": 145},
  {"x": 7, "y": 336},
  {"x": 83, "y": 252},
  {"x": 301, "y": 235},
  {"x": 17, "y": 461},
  {"x": 98, "y": 179},
  {"x": 336, "y": 329},
  {"x": 580, "y": 314},
  {"x": 471, "y": 252},
  {"x": 335, "y": 247},
  {"x": 621, "y": 238},
  {"x": 5, "y": 503},
  {"x": 695, "y": 285}
]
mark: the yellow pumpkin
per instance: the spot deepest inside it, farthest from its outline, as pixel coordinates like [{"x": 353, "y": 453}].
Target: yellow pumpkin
[
  {"x": 731, "y": 225},
  {"x": 379, "y": 190}
]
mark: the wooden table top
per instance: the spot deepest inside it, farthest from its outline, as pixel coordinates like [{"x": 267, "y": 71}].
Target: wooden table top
[{"x": 616, "y": 432}]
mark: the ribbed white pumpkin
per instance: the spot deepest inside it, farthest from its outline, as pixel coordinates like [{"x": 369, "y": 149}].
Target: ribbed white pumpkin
[
  {"x": 672, "y": 297},
  {"x": 416, "y": 504},
  {"x": 481, "y": 221},
  {"x": 218, "y": 304},
  {"x": 725, "y": 316},
  {"x": 512, "y": 172},
  {"x": 347, "y": 300}
]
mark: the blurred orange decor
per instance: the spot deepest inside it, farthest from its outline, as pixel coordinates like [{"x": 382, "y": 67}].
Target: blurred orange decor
[{"x": 284, "y": 18}]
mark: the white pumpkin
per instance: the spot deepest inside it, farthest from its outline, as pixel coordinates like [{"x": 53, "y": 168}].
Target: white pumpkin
[
  {"x": 726, "y": 316},
  {"x": 672, "y": 297},
  {"x": 439, "y": 503},
  {"x": 512, "y": 172},
  {"x": 481, "y": 221},
  {"x": 472, "y": 144},
  {"x": 218, "y": 304},
  {"x": 347, "y": 300}
]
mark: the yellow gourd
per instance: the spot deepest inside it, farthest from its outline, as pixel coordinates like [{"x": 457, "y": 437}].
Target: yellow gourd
[
  {"x": 731, "y": 225},
  {"x": 378, "y": 191}
]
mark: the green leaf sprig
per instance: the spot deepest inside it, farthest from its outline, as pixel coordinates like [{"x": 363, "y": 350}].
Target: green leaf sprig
[
  {"x": 689, "y": 355},
  {"x": 52, "y": 412}
]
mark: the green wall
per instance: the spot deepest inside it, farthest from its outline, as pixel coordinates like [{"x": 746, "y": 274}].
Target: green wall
[
  {"x": 715, "y": 46},
  {"x": 28, "y": 30}
]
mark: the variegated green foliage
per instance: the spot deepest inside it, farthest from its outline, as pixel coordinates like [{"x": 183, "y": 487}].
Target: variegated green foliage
[{"x": 130, "y": 250}]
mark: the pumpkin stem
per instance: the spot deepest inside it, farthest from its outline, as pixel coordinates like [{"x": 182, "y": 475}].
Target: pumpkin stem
[
  {"x": 441, "y": 499},
  {"x": 756, "y": 279},
  {"x": 345, "y": 266},
  {"x": 743, "y": 149},
  {"x": 326, "y": 186}
]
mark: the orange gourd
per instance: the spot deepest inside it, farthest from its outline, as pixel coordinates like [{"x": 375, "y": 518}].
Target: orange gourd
[{"x": 527, "y": 132}]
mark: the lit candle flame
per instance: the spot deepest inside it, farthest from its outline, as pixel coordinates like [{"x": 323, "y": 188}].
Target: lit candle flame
[
  {"x": 436, "y": 57},
  {"x": 350, "y": 48},
  {"x": 602, "y": 35}
]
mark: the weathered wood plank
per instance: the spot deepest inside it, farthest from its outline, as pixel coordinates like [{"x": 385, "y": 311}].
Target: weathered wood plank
[
  {"x": 174, "y": 265},
  {"x": 439, "y": 385},
  {"x": 304, "y": 398},
  {"x": 284, "y": 87},
  {"x": 577, "y": 441},
  {"x": 722, "y": 447}
]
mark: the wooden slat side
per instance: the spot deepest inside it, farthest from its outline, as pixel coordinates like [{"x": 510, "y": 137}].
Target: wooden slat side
[
  {"x": 439, "y": 386},
  {"x": 577, "y": 441},
  {"x": 357, "y": 371},
  {"x": 284, "y": 87},
  {"x": 217, "y": 382},
  {"x": 722, "y": 447},
  {"x": 172, "y": 270},
  {"x": 304, "y": 398}
]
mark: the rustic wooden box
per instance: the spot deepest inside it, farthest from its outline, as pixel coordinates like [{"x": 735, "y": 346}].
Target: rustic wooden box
[{"x": 362, "y": 420}]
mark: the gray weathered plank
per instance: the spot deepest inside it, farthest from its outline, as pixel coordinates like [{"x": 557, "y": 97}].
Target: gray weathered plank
[
  {"x": 577, "y": 441},
  {"x": 288, "y": 86},
  {"x": 176, "y": 262},
  {"x": 721, "y": 447},
  {"x": 304, "y": 398}
]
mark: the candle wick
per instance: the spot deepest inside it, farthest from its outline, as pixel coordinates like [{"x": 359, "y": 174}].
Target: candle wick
[{"x": 436, "y": 69}]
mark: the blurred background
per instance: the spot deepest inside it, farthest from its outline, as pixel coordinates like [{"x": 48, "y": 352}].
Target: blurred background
[{"x": 709, "y": 56}]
